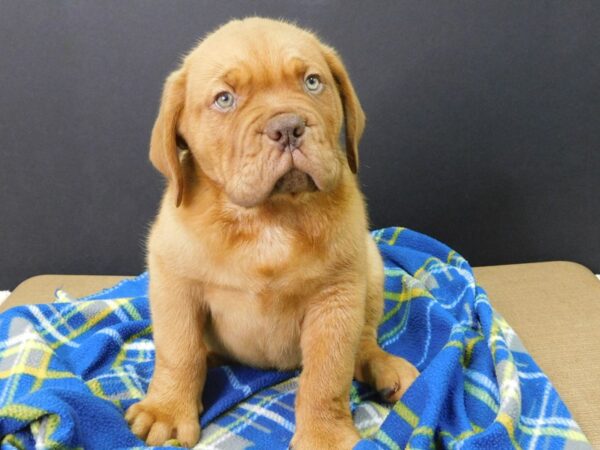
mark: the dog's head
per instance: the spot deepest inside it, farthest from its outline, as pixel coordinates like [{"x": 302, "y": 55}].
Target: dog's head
[{"x": 260, "y": 104}]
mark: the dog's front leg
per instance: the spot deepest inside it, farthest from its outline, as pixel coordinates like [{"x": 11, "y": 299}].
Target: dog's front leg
[
  {"x": 330, "y": 335},
  {"x": 173, "y": 403}
]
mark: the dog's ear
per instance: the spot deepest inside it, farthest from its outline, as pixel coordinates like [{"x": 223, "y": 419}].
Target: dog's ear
[
  {"x": 164, "y": 141},
  {"x": 353, "y": 113}
]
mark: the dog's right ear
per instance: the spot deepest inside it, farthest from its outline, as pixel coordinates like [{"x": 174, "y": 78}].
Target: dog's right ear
[{"x": 163, "y": 143}]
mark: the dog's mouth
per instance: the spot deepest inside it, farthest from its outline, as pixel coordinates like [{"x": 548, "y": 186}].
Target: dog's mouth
[{"x": 294, "y": 182}]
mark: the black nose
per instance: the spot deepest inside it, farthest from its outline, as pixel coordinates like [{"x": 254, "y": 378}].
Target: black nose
[{"x": 286, "y": 129}]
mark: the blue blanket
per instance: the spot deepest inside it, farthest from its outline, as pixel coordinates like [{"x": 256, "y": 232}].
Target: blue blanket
[{"x": 68, "y": 370}]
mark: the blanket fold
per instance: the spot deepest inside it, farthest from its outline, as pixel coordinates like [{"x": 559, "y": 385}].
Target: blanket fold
[{"x": 68, "y": 370}]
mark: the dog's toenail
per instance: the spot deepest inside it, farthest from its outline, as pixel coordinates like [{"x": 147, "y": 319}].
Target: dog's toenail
[{"x": 390, "y": 391}]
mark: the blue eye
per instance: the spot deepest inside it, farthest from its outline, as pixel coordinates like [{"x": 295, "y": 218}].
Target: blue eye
[
  {"x": 224, "y": 100},
  {"x": 313, "y": 83}
]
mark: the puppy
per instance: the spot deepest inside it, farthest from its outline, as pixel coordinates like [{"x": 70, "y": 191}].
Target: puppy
[{"x": 260, "y": 253}]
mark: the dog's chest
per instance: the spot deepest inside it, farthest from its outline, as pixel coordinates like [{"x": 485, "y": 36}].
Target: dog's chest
[
  {"x": 262, "y": 330},
  {"x": 256, "y": 290},
  {"x": 252, "y": 264}
]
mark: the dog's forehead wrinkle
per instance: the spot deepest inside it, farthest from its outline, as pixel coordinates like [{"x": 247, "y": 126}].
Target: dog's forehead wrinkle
[
  {"x": 297, "y": 64},
  {"x": 237, "y": 75}
]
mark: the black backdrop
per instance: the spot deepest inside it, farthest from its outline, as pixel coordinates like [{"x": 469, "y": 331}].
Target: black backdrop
[{"x": 483, "y": 122}]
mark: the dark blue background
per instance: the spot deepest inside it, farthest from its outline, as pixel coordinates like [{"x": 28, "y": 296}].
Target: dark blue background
[{"x": 483, "y": 122}]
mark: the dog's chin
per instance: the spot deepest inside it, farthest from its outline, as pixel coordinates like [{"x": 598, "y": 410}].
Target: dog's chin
[{"x": 293, "y": 183}]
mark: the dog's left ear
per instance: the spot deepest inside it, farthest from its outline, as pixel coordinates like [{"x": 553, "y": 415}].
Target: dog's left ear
[{"x": 354, "y": 115}]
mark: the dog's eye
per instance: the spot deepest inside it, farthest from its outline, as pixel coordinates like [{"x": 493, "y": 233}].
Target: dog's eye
[
  {"x": 313, "y": 83},
  {"x": 224, "y": 100}
]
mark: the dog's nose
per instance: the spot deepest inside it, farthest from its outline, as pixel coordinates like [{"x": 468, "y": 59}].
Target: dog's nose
[{"x": 286, "y": 129}]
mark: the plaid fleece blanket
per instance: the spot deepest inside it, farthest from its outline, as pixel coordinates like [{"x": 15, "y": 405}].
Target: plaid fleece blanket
[{"x": 68, "y": 371}]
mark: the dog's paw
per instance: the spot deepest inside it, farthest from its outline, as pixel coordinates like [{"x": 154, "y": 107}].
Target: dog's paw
[
  {"x": 393, "y": 376},
  {"x": 156, "y": 424},
  {"x": 325, "y": 436}
]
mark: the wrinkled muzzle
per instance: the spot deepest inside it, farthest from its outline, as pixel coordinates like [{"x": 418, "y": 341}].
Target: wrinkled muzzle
[{"x": 288, "y": 154}]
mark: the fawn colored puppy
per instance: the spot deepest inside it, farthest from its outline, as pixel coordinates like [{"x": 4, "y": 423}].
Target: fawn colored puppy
[{"x": 260, "y": 253}]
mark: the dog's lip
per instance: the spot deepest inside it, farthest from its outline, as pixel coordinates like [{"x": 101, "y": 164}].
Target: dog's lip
[
  {"x": 302, "y": 163},
  {"x": 294, "y": 171}
]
